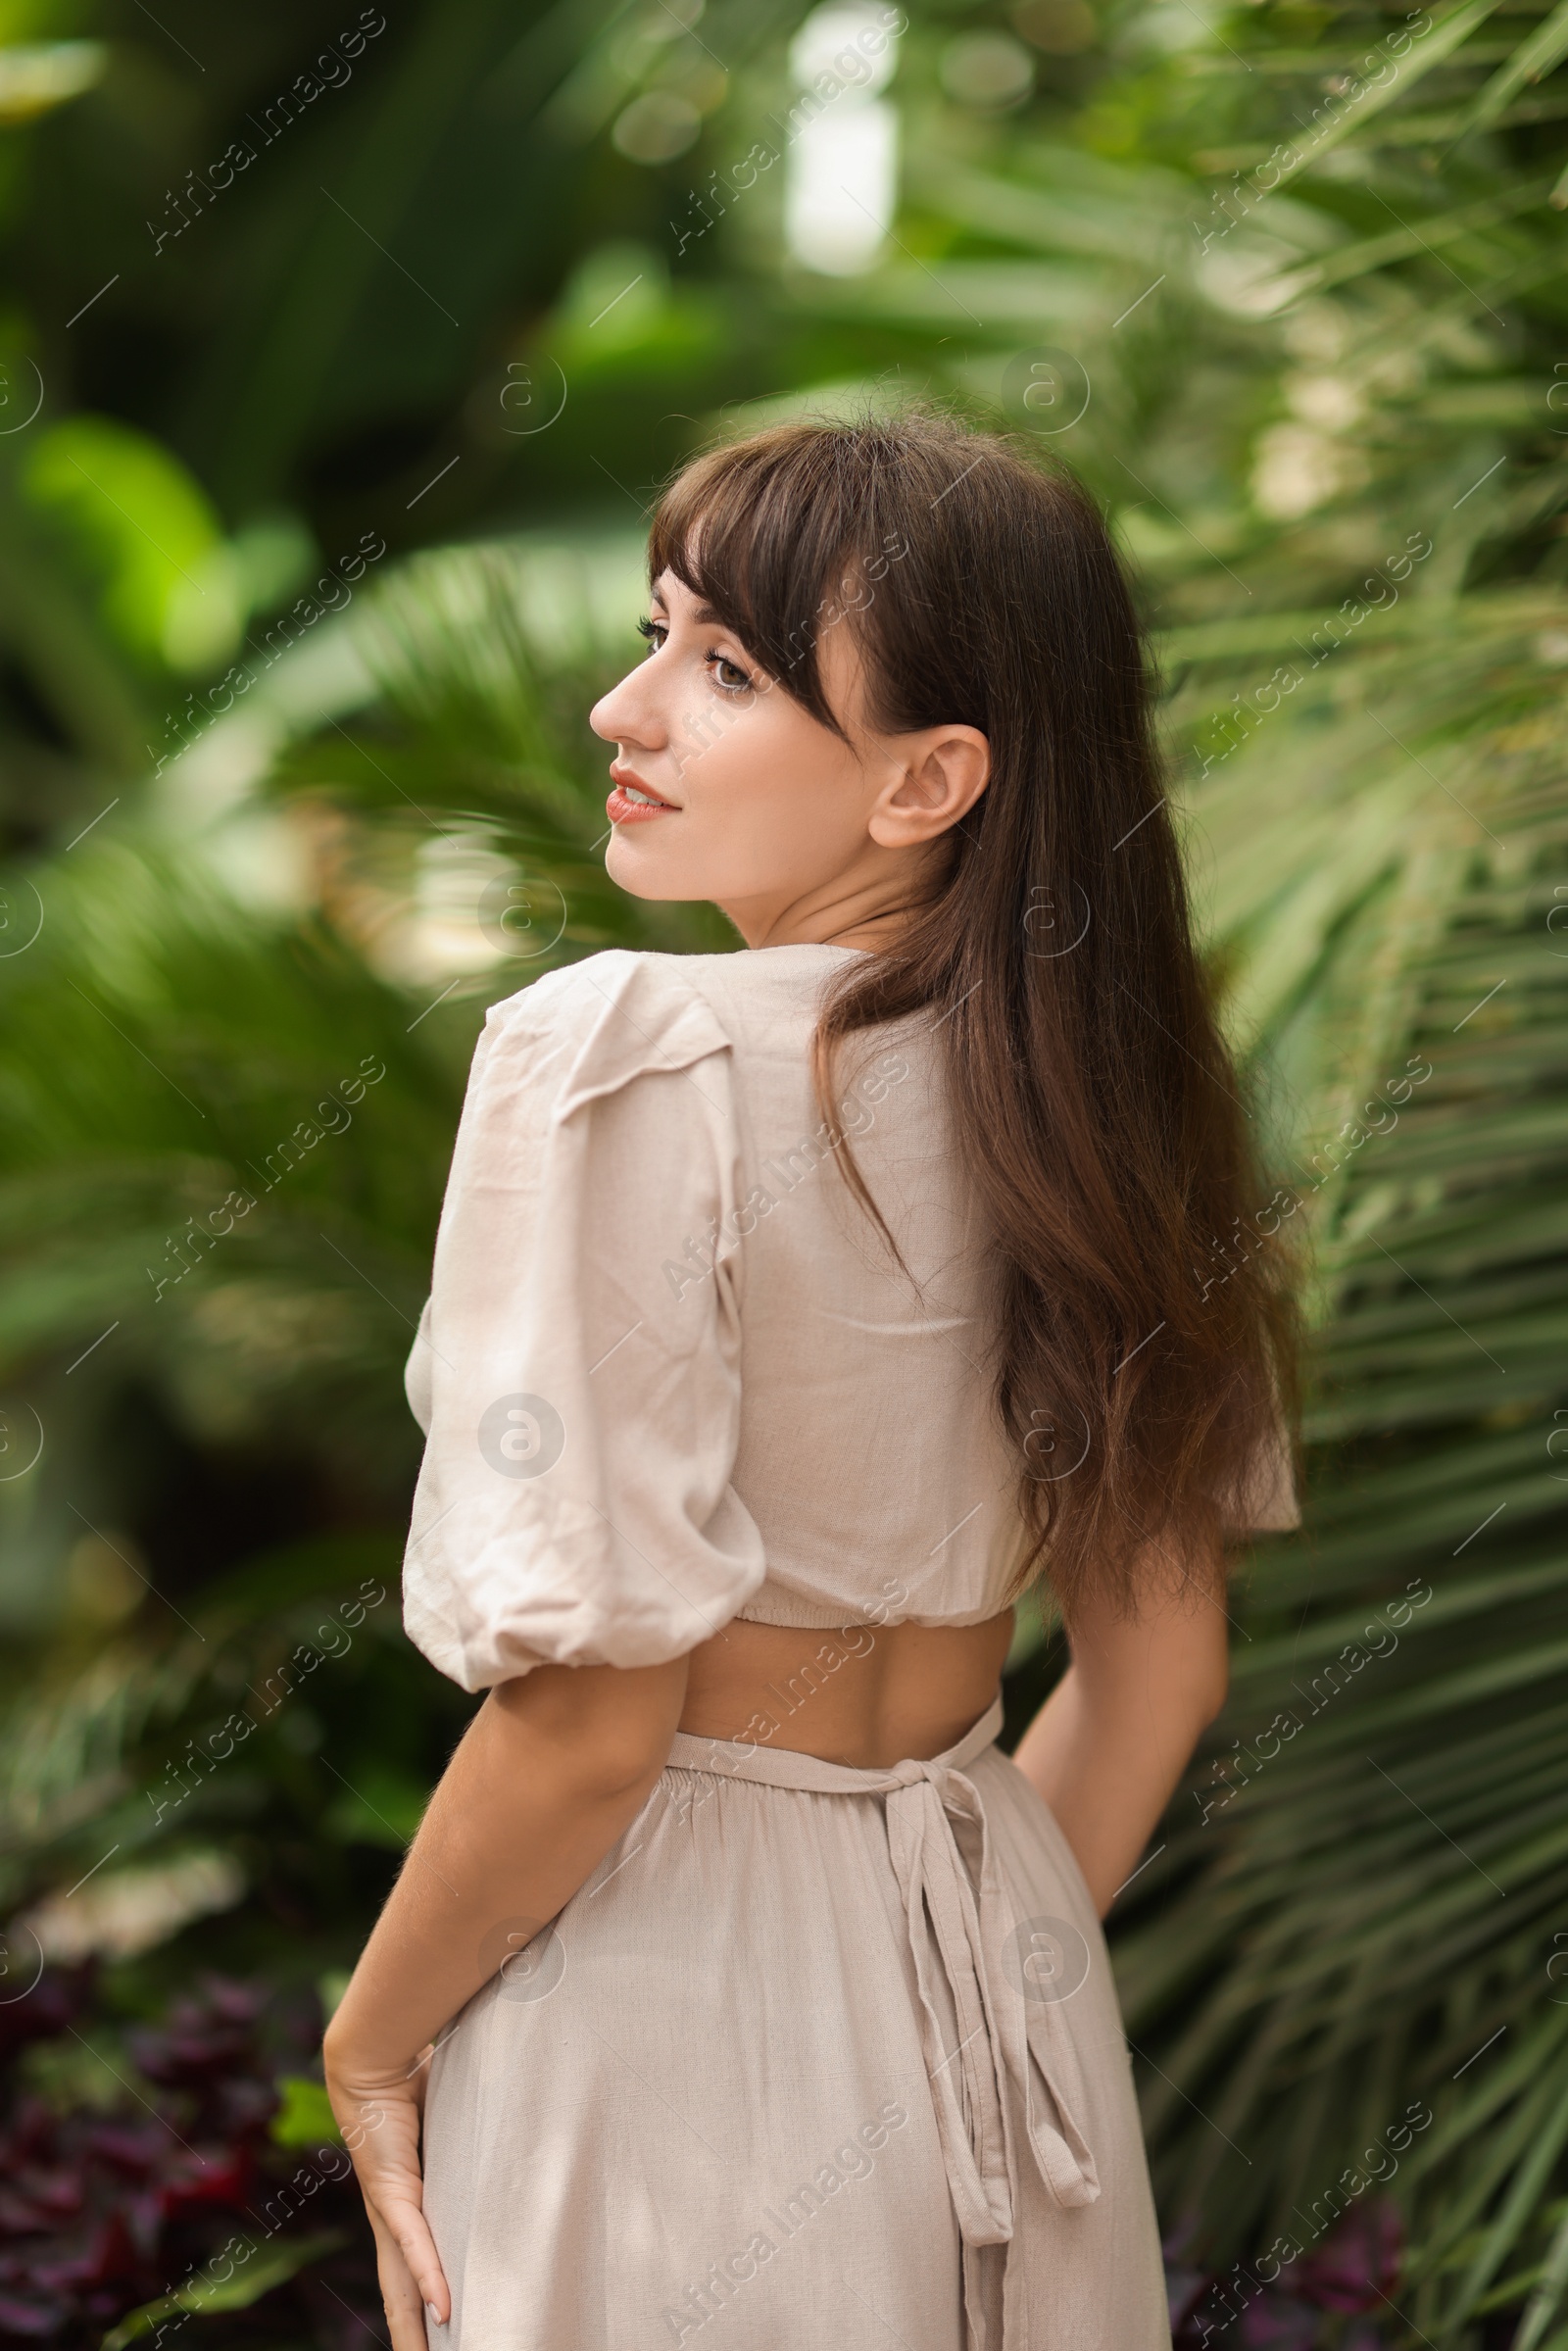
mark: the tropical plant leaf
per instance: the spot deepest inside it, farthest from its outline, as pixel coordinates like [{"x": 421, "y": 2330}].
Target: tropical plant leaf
[{"x": 273, "y": 2266}]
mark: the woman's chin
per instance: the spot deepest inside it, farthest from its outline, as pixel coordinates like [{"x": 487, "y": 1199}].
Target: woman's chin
[{"x": 641, "y": 871}]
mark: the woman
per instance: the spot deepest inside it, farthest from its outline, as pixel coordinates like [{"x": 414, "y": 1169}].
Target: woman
[{"x": 791, "y": 1308}]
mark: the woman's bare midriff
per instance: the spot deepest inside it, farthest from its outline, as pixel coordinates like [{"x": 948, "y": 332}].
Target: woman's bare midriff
[{"x": 863, "y": 1696}]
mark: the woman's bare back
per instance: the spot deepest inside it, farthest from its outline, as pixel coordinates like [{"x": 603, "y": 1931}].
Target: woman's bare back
[{"x": 861, "y": 1694}]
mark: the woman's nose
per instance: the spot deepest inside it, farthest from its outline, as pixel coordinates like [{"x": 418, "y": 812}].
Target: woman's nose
[{"x": 625, "y": 714}]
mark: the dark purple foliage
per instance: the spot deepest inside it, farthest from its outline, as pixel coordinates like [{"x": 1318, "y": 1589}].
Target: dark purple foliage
[
  {"x": 101, "y": 2211},
  {"x": 1356, "y": 2267},
  {"x": 1353, "y": 2274}
]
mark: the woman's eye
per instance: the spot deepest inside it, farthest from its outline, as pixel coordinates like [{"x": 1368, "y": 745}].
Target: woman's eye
[
  {"x": 727, "y": 673},
  {"x": 655, "y": 631}
]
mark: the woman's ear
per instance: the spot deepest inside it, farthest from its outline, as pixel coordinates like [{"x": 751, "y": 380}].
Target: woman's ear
[{"x": 937, "y": 778}]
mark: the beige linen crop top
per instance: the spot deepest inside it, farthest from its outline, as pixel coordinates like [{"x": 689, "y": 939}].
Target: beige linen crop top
[{"x": 668, "y": 1373}]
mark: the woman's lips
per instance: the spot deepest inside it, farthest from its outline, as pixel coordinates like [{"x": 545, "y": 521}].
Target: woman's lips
[{"x": 622, "y": 809}]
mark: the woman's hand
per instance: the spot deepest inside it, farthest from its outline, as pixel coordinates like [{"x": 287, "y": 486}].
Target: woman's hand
[
  {"x": 381, "y": 2116},
  {"x": 551, "y": 1771}
]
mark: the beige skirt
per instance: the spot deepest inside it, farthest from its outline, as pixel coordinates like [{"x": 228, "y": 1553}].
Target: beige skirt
[{"x": 817, "y": 2060}]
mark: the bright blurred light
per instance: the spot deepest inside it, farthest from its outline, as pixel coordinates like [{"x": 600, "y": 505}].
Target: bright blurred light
[
  {"x": 854, "y": 45},
  {"x": 36, "y": 75},
  {"x": 841, "y": 181},
  {"x": 1295, "y": 471},
  {"x": 840, "y": 194}
]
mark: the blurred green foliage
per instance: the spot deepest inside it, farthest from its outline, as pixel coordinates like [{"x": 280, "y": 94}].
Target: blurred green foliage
[{"x": 1286, "y": 282}]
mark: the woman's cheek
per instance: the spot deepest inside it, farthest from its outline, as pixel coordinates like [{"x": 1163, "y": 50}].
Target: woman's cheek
[{"x": 763, "y": 801}]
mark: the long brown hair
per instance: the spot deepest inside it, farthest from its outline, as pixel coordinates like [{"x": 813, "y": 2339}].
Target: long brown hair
[{"x": 1097, "y": 1110}]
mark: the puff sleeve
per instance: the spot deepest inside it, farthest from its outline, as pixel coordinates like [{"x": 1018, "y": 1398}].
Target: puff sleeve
[{"x": 578, "y": 1388}]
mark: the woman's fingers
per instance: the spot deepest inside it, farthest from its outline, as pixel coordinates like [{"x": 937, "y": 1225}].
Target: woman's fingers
[
  {"x": 385, "y": 2117},
  {"x": 405, "y": 2304},
  {"x": 416, "y": 2247},
  {"x": 400, "y": 2299}
]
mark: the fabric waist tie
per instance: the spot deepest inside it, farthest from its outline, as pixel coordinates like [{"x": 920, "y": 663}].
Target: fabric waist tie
[{"x": 987, "y": 2102}]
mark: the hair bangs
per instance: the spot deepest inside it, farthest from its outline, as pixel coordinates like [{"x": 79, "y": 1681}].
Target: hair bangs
[{"x": 761, "y": 532}]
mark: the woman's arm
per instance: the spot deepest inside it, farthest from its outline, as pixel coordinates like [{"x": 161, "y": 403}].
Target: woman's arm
[
  {"x": 1110, "y": 1742},
  {"x": 551, "y": 1771}
]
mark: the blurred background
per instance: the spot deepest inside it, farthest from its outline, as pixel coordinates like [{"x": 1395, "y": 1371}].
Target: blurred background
[{"x": 341, "y": 354}]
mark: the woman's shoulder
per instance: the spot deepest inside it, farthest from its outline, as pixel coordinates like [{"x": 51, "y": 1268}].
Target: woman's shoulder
[
  {"x": 587, "y": 1028},
  {"x": 623, "y": 989}
]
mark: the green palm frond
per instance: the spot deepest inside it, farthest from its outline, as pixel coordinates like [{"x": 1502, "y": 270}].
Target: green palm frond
[
  {"x": 207, "y": 1192},
  {"x": 281, "y": 1713},
  {"x": 1370, "y": 1875}
]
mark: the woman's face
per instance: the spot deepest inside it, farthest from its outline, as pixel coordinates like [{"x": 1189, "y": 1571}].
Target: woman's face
[{"x": 728, "y": 790}]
